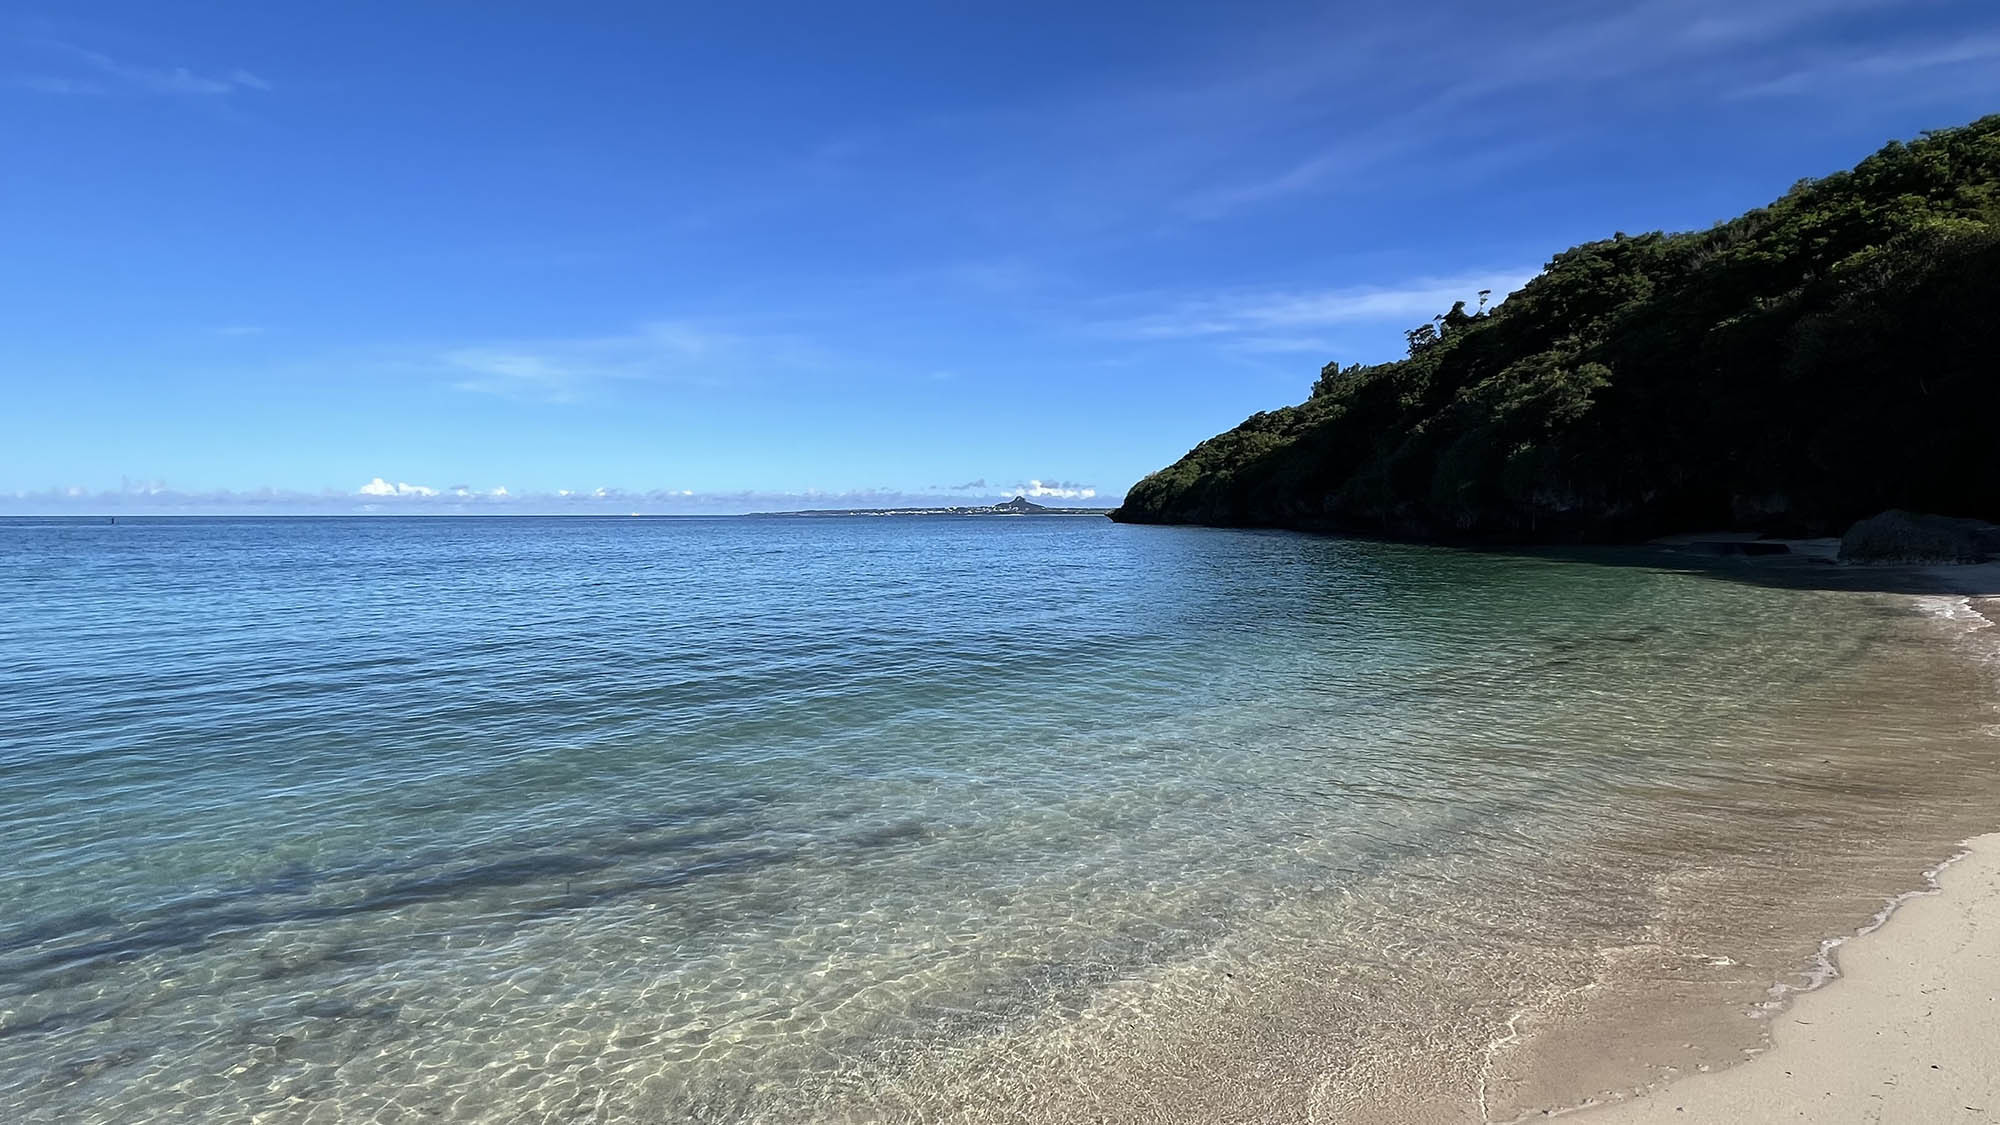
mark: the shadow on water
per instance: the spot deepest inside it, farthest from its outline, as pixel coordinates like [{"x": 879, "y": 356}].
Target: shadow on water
[{"x": 1791, "y": 571}]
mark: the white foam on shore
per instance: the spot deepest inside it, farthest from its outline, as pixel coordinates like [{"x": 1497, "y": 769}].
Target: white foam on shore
[
  {"x": 1823, "y": 970},
  {"x": 1952, "y": 607},
  {"x": 1825, "y": 966},
  {"x": 1974, "y": 632}
]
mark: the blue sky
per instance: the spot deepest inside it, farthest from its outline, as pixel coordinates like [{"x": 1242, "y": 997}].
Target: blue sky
[{"x": 675, "y": 257}]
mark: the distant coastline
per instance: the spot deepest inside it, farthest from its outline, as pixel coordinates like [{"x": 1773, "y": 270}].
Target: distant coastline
[{"x": 1018, "y": 506}]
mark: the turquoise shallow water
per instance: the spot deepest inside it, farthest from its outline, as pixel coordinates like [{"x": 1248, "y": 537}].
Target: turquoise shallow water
[{"x": 863, "y": 819}]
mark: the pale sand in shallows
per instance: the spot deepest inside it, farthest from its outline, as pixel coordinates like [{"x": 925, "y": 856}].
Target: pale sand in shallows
[{"x": 1910, "y": 1032}]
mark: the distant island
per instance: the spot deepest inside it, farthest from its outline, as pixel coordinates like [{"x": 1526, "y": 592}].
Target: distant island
[
  {"x": 1791, "y": 371},
  {"x": 1018, "y": 506}
]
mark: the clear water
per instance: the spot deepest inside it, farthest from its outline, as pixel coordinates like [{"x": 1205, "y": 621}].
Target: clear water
[{"x": 909, "y": 819}]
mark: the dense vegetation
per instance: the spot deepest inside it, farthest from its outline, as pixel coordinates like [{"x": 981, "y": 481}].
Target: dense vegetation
[{"x": 1810, "y": 363}]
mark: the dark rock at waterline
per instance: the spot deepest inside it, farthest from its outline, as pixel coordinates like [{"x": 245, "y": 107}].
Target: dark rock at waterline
[{"x": 1896, "y": 536}]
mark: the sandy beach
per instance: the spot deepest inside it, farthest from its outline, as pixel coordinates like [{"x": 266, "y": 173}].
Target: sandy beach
[{"x": 1906, "y": 1034}]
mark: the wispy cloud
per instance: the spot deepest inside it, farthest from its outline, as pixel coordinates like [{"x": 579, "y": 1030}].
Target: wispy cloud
[
  {"x": 1630, "y": 41},
  {"x": 51, "y": 84},
  {"x": 384, "y": 496},
  {"x": 1282, "y": 344},
  {"x": 381, "y": 487},
  {"x": 1301, "y": 177},
  {"x": 1737, "y": 24},
  {"x": 98, "y": 74},
  {"x": 565, "y": 370},
  {"x": 1274, "y": 320},
  {"x": 1972, "y": 56},
  {"x": 1369, "y": 94},
  {"x": 1055, "y": 489}
]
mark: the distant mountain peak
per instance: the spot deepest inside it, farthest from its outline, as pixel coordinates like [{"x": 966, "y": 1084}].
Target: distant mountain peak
[{"x": 1022, "y": 504}]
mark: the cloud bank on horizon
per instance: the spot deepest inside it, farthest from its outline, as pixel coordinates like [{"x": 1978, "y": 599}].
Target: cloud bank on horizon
[
  {"x": 269, "y": 252},
  {"x": 381, "y": 496}
]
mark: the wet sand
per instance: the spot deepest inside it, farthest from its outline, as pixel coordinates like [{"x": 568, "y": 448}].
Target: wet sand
[{"x": 1907, "y": 1032}]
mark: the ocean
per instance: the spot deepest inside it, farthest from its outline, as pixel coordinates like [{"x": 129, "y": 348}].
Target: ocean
[{"x": 929, "y": 819}]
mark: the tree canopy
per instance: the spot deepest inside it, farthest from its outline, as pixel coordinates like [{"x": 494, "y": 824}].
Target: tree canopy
[{"x": 1794, "y": 369}]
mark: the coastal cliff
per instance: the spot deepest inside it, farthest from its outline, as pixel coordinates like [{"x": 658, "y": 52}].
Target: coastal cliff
[{"x": 1792, "y": 370}]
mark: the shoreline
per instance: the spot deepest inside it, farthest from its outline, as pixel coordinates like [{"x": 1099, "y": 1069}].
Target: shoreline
[
  {"x": 1557, "y": 850},
  {"x": 1901, "y": 1032},
  {"x": 1837, "y": 1052}
]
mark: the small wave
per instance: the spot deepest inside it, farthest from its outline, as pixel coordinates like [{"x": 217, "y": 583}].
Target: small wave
[
  {"x": 1952, "y": 607},
  {"x": 1824, "y": 967}
]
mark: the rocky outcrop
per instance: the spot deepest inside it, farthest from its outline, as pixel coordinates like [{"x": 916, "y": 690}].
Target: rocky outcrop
[{"x": 1896, "y": 536}]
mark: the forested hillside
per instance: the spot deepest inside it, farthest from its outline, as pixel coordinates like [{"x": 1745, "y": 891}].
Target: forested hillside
[{"x": 1804, "y": 365}]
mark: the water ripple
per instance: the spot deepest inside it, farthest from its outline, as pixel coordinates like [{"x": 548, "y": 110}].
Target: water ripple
[{"x": 855, "y": 820}]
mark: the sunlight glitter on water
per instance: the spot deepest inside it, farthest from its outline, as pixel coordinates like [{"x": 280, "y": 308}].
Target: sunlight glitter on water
[{"x": 918, "y": 820}]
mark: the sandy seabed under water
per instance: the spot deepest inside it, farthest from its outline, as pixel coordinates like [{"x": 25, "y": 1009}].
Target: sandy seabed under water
[{"x": 809, "y": 827}]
